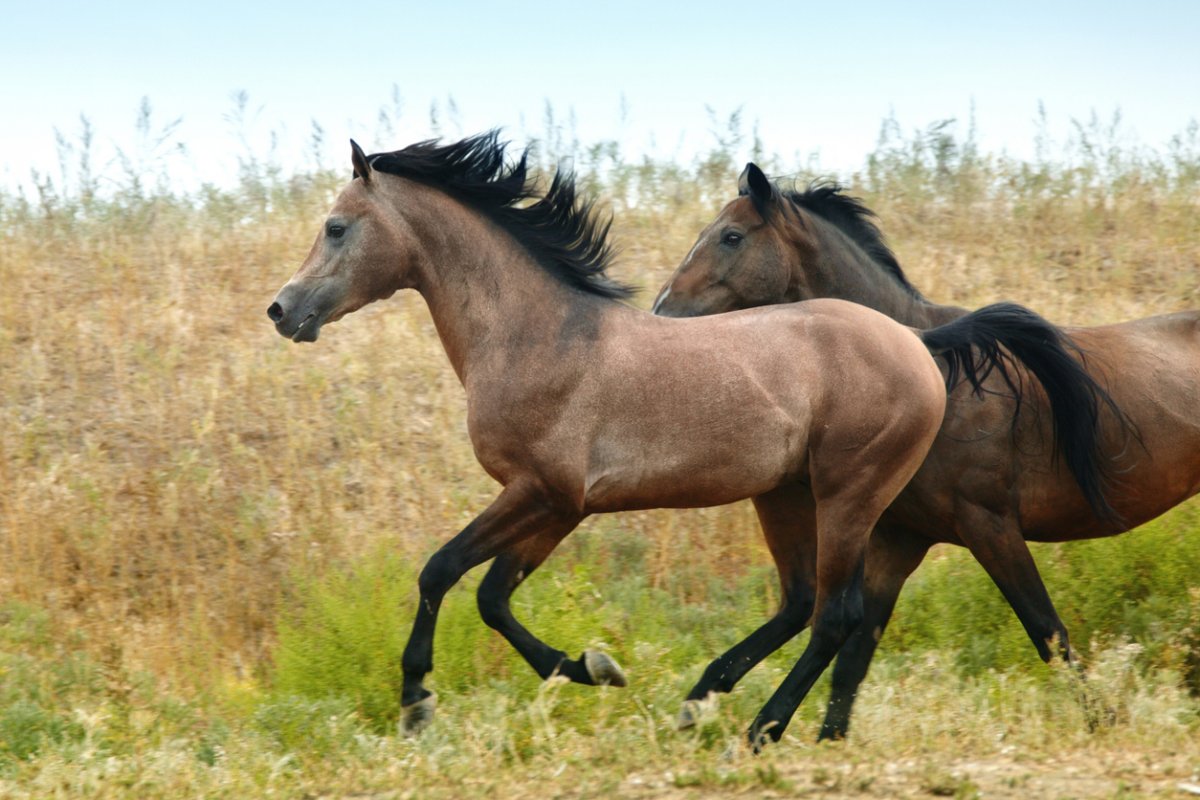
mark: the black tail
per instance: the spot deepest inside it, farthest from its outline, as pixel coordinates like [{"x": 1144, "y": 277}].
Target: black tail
[{"x": 1075, "y": 397}]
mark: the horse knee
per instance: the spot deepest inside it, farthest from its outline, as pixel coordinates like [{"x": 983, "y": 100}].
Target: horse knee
[{"x": 439, "y": 574}]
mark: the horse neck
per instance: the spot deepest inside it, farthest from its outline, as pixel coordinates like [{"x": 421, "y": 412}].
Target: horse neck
[
  {"x": 837, "y": 267},
  {"x": 490, "y": 301}
]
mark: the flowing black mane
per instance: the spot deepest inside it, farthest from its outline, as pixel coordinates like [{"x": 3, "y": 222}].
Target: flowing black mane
[
  {"x": 847, "y": 213},
  {"x": 562, "y": 233}
]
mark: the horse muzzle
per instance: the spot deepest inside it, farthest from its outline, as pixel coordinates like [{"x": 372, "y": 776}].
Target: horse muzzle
[
  {"x": 300, "y": 310},
  {"x": 674, "y": 304}
]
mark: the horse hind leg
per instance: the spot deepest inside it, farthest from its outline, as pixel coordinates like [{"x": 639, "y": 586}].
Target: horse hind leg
[
  {"x": 852, "y": 485},
  {"x": 786, "y": 515},
  {"x": 997, "y": 543},
  {"x": 839, "y": 611},
  {"x": 892, "y": 555}
]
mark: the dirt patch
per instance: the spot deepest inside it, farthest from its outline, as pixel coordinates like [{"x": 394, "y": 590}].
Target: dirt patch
[{"x": 1083, "y": 774}]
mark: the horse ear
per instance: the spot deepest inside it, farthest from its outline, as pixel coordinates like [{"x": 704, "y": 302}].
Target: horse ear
[
  {"x": 362, "y": 167},
  {"x": 755, "y": 184}
]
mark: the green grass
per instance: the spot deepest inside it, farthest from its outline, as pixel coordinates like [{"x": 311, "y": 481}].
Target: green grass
[
  {"x": 1139, "y": 587},
  {"x": 91, "y": 729},
  {"x": 342, "y": 635}
]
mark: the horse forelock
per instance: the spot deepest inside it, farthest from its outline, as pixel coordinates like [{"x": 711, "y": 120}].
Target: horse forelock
[{"x": 566, "y": 236}]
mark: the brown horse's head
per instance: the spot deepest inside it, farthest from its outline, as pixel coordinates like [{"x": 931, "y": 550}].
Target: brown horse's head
[
  {"x": 741, "y": 259},
  {"x": 345, "y": 268}
]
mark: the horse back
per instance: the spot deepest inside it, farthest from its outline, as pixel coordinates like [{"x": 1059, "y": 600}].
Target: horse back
[{"x": 708, "y": 410}]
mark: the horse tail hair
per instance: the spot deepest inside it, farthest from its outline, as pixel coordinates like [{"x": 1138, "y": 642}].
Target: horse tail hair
[{"x": 1004, "y": 333}]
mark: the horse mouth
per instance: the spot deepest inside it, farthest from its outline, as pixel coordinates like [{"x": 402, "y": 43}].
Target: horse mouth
[
  {"x": 300, "y": 310},
  {"x": 308, "y": 329},
  {"x": 674, "y": 308}
]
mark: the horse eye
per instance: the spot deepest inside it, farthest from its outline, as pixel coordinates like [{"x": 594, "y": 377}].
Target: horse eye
[
  {"x": 335, "y": 231},
  {"x": 732, "y": 239}
]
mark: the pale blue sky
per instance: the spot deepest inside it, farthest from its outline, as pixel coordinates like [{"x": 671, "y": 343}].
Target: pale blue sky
[{"x": 818, "y": 78}]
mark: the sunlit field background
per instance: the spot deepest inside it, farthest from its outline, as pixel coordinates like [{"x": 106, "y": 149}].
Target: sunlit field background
[{"x": 209, "y": 536}]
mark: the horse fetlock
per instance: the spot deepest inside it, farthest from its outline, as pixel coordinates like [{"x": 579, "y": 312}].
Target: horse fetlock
[
  {"x": 415, "y": 717},
  {"x": 833, "y": 732},
  {"x": 716, "y": 677},
  {"x": 602, "y": 669},
  {"x": 837, "y": 715}
]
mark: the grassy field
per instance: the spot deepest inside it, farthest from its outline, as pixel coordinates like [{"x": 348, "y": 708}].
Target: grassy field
[{"x": 209, "y": 536}]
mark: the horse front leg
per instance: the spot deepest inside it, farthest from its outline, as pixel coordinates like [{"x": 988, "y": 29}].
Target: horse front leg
[
  {"x": 507, "y": 572},
  {"x": 520, "y": 512}
]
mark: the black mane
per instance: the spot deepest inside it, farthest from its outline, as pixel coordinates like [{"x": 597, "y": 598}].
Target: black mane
[
  {"x": 562, "y": 233},
  {"x": 850, "y": 215}
]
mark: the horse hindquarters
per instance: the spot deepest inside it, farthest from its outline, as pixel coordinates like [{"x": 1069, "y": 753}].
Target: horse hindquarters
[
  {"x": 855, "y": 475},
  {"x": 845, "y": 520}
]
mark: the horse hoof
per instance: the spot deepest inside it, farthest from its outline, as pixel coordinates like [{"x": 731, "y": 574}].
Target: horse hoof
[
  {"x": 602, "y": 669},
  {"x": 831, "y": 734},
  {"x": 689, "y": 715},
  {"x": 762, "y": 734},
  {"x": 696, "y": 711},
  {"x": 415, "y": 717}
]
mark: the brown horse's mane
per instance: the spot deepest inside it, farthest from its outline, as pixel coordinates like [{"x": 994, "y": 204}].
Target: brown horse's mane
[
  {"x": 851, "y": 216},
  {"x": 562, "y": 233}
]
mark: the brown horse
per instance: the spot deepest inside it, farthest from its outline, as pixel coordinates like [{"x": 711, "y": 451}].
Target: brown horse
[
  {"x": 987, "y": 484},
  {"x": 820, "y": 412}
]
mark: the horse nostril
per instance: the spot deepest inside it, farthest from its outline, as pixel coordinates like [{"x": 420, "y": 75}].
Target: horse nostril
[{"x": 275, "y": 312}]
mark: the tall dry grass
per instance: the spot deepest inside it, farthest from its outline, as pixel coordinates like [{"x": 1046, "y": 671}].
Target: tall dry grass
[{"x": 168, "y": 464}]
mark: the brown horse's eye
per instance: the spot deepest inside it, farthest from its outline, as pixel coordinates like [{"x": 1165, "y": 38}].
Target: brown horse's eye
[
  {"x": 335, "y": 231},
  {"x": 732, "y": 239}
]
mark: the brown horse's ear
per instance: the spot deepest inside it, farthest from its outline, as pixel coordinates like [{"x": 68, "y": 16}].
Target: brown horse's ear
[
  {"x": 362, "y": 167},
  {"x": 754, "y": 183},
  {"x": 757, "y": 186}
]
